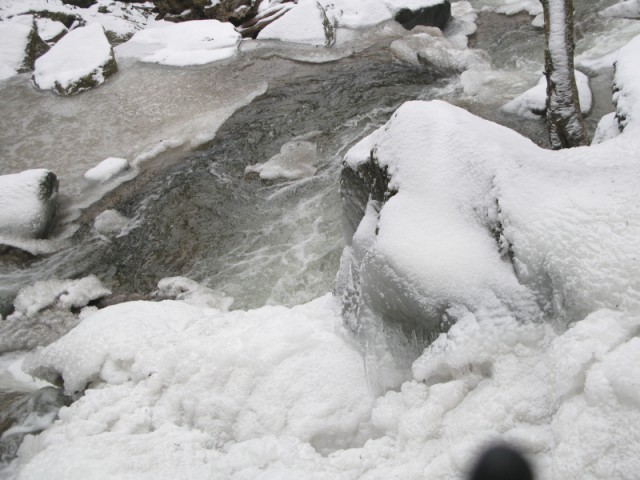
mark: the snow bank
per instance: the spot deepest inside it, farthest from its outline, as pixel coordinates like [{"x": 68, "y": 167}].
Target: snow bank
[
  {"x": 297, "y": 159},
  {"x": 106, "y": 170},
  {"x": 81, "y": 60},
  {"x": 28, "y": 203},
  {"x": 532, "y": 103},
  {"x": 180, "y": 44},
  {"x": 626, "y": 96}
]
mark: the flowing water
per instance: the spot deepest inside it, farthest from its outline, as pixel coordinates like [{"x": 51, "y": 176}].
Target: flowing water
[{"x": 190, "y": 133}]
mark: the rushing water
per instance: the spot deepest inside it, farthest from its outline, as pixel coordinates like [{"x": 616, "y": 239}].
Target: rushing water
[{"x": 196, "y": 213}]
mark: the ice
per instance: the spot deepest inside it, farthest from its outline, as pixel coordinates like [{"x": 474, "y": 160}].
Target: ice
[
  {"x": 297, "y": 159},
  {"x": 180, "y": 44},
  {"x": 532, "y": 103},
  {"x": 108, "y": 169},
  {"x": 82, "y": 59},
  {"x": 185, "y": 289},
  {"x": 15, "y": 37},
  {"x": 110, "y": 222},
  {"x": 511, "y": 7}
]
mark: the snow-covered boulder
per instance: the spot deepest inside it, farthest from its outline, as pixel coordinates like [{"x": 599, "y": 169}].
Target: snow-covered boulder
[
  {"x": 51, "y": 30},
  {"x": 19, "y": 48},
  {"x": 179, "y": 44},
  {"x": 316, "y": 21},
  {"x": 28, "y": 203},
  {"x": 533, "y": 102},
  {"x": 81, "y": 60},
  {"x": 428, "y": 13},
  {"x": 465, "y": 215}
]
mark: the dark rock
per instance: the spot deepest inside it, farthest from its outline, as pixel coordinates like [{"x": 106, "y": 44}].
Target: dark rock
[
  {"x": 234, "y": 11},
  {"x": 36, "y": 47},
  {"x": 502, "y": 463},
  {"x": 434, "y": 16},
  {"x": 80, "y": 3}
]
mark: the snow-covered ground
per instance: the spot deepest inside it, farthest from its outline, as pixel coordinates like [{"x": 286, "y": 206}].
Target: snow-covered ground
[{"x": 530, "y": 254}]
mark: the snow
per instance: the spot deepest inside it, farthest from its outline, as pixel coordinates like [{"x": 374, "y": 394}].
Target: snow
[
  {"x": 180, "y": 44},
  {"x": 82, "y": 53},
  {"x": 626, "y": 96},
  {"x": 107, "y": 169},
  {"x": 24, "y": 211},
  {"x": 50, "y": 29},
  {"x": 607, "y": 129},
  {"x": 192, "y": 293},
  {"x": 110, "y": 222},
  {"x": 532, "y": 103},
  {"x": 13, "y": 47},
  {"x": 511, "y": 7},
  {"x": 297, "y": 159},
  {"x": 627, "y": 9}
]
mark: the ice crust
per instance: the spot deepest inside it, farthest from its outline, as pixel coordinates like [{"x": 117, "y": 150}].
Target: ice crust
[
  {"x": 297, "y": 159},
  {"x": 180, "y": 44},
  {"x": 107, "y": 169}
]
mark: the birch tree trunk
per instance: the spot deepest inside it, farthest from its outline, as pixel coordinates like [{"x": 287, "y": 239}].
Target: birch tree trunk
[{"x": 564, "y": 117}]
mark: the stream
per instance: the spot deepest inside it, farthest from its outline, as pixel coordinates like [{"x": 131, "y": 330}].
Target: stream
[{"x": 189, "y": 208}]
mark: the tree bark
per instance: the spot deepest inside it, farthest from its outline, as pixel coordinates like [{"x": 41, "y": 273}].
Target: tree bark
[{"x": 565, "y": 122}]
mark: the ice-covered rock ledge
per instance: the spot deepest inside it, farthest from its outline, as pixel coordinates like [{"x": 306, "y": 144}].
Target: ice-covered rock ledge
[{"x": 477, "y": 218}]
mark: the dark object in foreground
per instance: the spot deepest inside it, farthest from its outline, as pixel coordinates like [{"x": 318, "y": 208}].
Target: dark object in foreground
[{"x": 501, "y": 463}]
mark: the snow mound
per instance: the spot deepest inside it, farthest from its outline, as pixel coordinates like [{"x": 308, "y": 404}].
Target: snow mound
[
  {"x": 81, "y": 60},
  {"x": 297, "y": 159},
  {"x": 13, "y": 48},
  {"x": 529, "y": 228},
  {"x": 50, "y": 30},
  {"x": 180, "y": 44},
  {"x": 28, "y": 203},
  {"x": 607, "y": 129},
  {"x": 106, "y": 170},
  {"x": 626, "y": 95},
  {"x": 532, "y": 103}
]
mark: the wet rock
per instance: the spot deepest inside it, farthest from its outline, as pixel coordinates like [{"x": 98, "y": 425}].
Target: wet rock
[
  {"x": 26, "y": 413},
  {"x": 437, "y": 15},
  {"x": 28, "y": 203}
]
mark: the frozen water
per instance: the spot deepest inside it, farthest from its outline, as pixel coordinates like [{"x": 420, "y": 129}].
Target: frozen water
[
  {"x": 107, "y": 169},
  {"x": 297, "y": 159}
]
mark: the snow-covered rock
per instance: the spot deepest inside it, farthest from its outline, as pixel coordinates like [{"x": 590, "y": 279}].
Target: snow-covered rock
[
  {"x": 188, "y": 43},
  {"x": 607, "y": 129},
  {"x": 50, "y": 30},
  {"x": 81, "y": 60},
  {"x": 532, "y": 103},
  {"x": 47, "y": 310},
  {"x": 19, "y": 48},
  {"x": 297, "y": 159},
  {"x": 307, "y": 23},
  {"x": 429, "y": 47},
  {"x": 28, "y": 203},
  {"x": 107, "y": 169}
]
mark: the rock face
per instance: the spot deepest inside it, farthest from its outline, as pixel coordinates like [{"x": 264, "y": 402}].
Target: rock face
[
  {"x": 81, "y": 60},
  {"x": 28, "y": 203},
  {"x": 433, "y": 15}
]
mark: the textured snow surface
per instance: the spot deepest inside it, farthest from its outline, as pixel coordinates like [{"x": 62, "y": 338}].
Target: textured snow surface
[
  {"x": 13, "y": 47},
  {"x": 180, "y": 44},
  {"x": 81, "y": 53},
  {"x": 532, "y": 103}
]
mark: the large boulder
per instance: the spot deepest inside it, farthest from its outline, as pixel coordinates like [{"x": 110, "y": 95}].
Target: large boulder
[
  {"x": 235, "y": 11},
  {"x": 28, "y": 203},
  {"x": 81, "y": 60}
]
